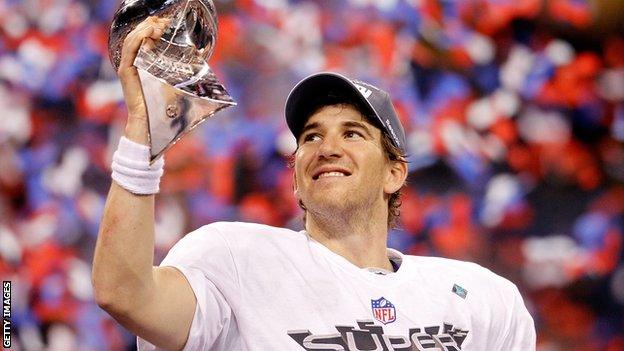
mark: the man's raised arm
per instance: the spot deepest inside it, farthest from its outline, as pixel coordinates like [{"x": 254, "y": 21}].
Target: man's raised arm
[{"x": 156, "y": 304}]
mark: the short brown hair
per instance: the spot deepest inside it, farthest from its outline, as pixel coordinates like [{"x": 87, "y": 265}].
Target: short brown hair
[{"x": 392, "y": 152}]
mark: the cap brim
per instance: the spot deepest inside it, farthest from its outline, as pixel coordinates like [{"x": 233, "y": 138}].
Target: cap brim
[{"x": 302, "y": 97}]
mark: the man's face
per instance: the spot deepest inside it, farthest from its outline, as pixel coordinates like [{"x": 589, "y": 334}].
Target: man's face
[{"x": 340, "y": 163}]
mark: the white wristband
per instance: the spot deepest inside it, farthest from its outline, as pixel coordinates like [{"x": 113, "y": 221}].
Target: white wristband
[{"x": 132, "y": 169}]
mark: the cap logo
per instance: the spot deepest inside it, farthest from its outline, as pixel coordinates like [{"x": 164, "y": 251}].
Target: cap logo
[
  {"x": 364, "y": 91},
  {"x": 394, "y": 136}
]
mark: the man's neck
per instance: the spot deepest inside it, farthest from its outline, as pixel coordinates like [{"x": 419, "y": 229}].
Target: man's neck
[{"x": 362, "y": 243}]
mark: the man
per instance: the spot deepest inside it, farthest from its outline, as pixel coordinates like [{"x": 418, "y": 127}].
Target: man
[{"x": 333, "y": 286}]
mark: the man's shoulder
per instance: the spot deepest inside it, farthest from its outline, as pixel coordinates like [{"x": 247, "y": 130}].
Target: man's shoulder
[
  {"x": 434, "y": 262},
  {"x": 243, "y": 233},
  {"x": 222, "y": 240},
  {"x": 441, "y": 268}
]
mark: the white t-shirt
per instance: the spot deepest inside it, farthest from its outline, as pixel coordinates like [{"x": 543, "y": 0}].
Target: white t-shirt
[{"x": 267, "y": 288}]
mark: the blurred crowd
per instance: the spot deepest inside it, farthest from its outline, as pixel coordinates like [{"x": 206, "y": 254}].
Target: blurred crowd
[{"x": 514, "y": 112}]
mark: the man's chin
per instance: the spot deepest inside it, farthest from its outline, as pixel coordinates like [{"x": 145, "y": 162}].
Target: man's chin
[{"x": 330, "y": 201}]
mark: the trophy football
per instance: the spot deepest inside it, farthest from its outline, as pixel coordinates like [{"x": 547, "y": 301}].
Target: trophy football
[{"x": 179, "y": 88}]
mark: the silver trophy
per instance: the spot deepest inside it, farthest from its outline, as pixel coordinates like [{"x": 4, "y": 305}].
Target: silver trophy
[{"x": 179, "y": 87}]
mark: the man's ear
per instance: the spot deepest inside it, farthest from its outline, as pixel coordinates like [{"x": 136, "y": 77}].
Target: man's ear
[
  {"x": 396, "y": 176},
  {"x": 295, "y": 187}
]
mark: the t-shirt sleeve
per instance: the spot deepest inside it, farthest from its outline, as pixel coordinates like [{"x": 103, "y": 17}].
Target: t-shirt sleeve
[
  {"x": 520, "y": 332},
  {"x": 205, "y": 260}
]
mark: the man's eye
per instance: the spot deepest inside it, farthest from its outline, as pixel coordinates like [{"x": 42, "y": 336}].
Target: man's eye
[
  {"x": 350, "y": 134},
  {"x": 311, "y": 137}
]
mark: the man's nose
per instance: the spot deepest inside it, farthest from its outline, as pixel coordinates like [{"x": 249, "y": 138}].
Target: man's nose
[{"x": 330, "y": 147}]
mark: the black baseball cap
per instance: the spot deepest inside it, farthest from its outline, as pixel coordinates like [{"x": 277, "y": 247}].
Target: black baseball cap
[{"x": 303, "y": 96}]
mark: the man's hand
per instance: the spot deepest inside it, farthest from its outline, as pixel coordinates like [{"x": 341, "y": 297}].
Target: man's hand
[{"x": 148, "y": 31}]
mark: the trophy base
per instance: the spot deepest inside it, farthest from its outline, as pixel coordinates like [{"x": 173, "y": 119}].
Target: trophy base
[{"x": 173, "y": 112}]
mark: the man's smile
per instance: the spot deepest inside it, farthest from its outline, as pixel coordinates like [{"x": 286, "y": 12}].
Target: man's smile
[{"x": 330, "y": 171}]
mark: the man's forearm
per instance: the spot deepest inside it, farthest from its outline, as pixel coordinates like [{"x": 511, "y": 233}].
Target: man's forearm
[{"x": 124, "y": 253}]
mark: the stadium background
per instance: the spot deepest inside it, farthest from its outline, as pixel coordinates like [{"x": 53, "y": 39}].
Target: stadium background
[{"x": 515, "y": 119}]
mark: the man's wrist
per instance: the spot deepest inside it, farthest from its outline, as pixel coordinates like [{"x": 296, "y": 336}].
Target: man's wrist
[
  {"x": 132, "y": 169},
  {"x": 136, "y": 130}
]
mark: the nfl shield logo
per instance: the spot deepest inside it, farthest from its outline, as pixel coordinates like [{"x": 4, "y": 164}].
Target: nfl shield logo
[{"x": 383, "y": 310}]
